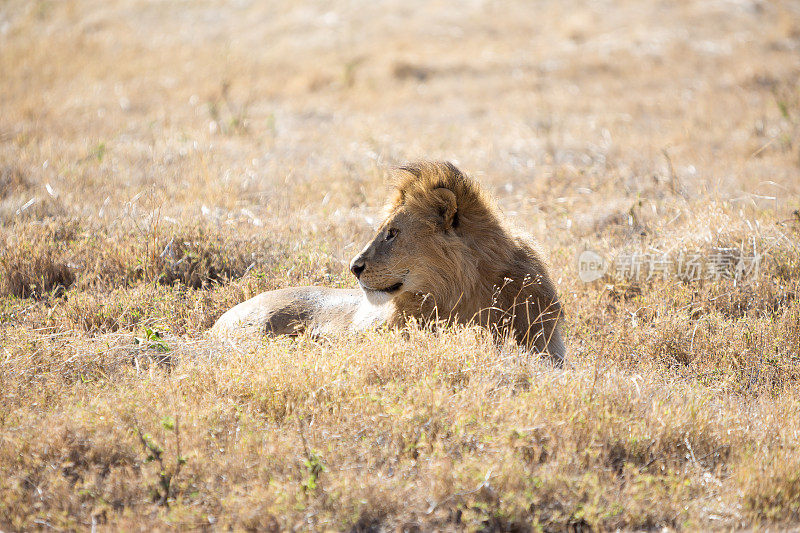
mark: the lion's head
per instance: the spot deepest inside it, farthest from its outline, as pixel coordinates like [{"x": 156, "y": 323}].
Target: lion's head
[{"x": 444, "y": 251}]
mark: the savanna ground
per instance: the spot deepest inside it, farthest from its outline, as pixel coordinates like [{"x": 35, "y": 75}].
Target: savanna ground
[{"x": 162, "y": 161}]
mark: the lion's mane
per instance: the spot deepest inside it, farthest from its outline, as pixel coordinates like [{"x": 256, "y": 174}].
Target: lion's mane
[{"x": 481, "y": 271}]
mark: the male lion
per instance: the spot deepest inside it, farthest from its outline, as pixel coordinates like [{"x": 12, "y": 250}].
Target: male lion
[{"x": 443, "y": 253}]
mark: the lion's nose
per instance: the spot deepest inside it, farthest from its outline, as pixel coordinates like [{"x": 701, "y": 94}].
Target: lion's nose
[{"x": 357, "y": 267}]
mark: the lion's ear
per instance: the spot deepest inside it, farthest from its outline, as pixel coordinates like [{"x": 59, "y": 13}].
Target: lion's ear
[{"x": 446, "y": 206}]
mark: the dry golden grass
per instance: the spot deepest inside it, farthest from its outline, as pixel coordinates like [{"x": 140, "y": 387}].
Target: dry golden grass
[{"x": 160, "y": 162}]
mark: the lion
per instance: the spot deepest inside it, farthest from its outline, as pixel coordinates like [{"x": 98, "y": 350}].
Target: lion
[{"x": 443, "y": 254}]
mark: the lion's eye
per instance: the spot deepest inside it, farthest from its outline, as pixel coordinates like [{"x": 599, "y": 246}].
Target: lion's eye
[{"x": 391, "y": 233}]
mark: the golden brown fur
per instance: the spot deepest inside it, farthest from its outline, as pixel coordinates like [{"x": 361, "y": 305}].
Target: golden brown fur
[{"x": 443, "y": 253}]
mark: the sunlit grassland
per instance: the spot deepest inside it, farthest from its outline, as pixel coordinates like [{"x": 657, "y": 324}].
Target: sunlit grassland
[{"x": 161, "y": 162}]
